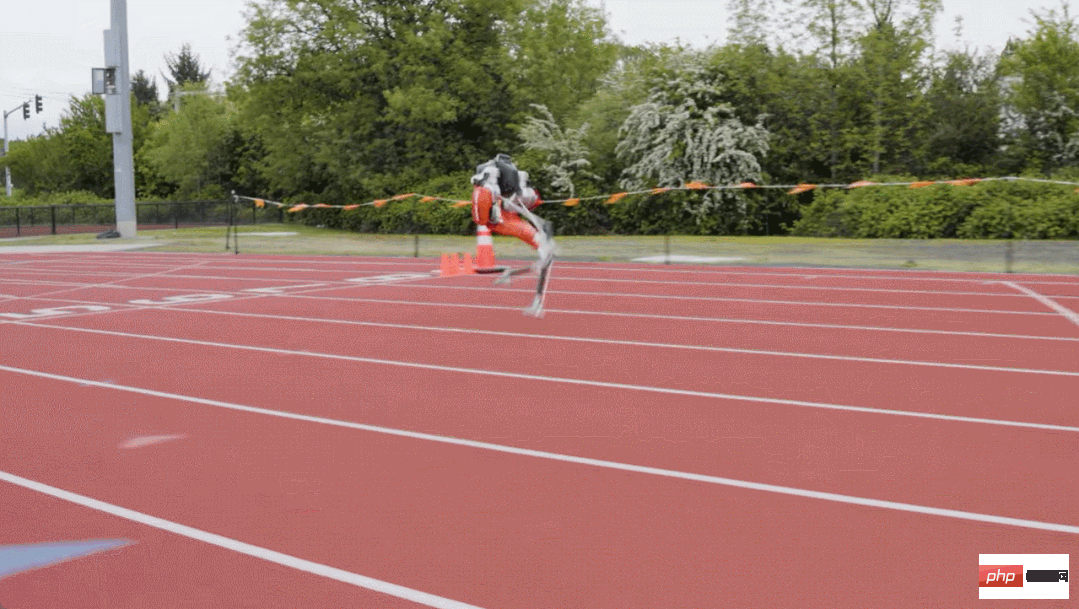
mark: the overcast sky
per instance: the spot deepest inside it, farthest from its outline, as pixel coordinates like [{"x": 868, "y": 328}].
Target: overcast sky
[{"x": 47, "y": 47}]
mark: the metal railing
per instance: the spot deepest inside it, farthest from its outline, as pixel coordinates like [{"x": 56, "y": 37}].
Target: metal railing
[{"x": 35, "y": 220}]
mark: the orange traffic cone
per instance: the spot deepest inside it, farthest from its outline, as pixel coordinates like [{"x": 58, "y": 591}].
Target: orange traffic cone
[
  {"x": 468, "y": 268},
  {"x": 450, "y": 266},
  {"x": 485, "y": 248}
]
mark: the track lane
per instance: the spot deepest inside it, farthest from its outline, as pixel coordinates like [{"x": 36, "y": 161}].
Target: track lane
[
  {"x": 527, "y": 533},
  {"x": 964, "y": 392},
  {"x": 991, "y": 351},
  {"x": 690, "y": 433},
  {"x": 156, "y": 570}
]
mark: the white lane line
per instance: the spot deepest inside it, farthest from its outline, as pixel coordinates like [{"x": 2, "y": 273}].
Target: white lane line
[
  {"x": 832, "y": 272},
  {"x": 345, "y": 285},
  {"x": 648, "y": 281},
  {"x": 555, "y": 379},
  {"x": 416, "y": 286},
  {"x": 631, "y": 343},
  {"x": 725, "y": 320},
  {"x": 654, "y": 471},
  {"x": 1071, "y": 316},
  {"x": 624, "y": 280},
  {"x": 787, "y": 287},
  {"x": 728, "y": 320},
  {"x": 227, "y": 543}
]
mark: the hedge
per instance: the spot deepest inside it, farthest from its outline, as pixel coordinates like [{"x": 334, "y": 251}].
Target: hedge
[{"x": 987, "y": 210}]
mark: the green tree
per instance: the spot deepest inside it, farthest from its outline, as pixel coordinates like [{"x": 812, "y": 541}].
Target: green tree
[
  {"x": 356, "y": 100},
  {"x": 688, "y": 131},
  {"x": 1041, "y": 75},
  {"x": 563, "y": 150},
  {"x": 77, "y": 155},
  {"x": 830, "y": 30},
  {"x": 963, "y": 122},
  {"x": 560, "y": 49},
  {"x": 189, "y": 149},
  {"x": 144, "y": 89},
  {"x": 751, "y": 22},
  {"x": 891, "y": 76},
  {"x": 626, "y": 85},
  {"x": 185, "y": 69}
]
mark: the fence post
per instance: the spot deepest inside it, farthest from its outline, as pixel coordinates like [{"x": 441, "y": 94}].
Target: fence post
[
  {"x": 176, "y": 214},
  {"x": 254, "y": 214},
  {"x": 1009, "y": 256},
  {"x": 18, "y": 229},
  {"x": 667, "y": 248},
  {"x": 52, "y": 215}
]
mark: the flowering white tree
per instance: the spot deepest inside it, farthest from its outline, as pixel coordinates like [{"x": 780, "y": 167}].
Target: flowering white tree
[
  {"x": 686, "y": 132},
  {"x": 564, "y": 149}
]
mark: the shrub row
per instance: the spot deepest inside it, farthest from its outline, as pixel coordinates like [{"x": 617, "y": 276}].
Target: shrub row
[{"x": 987, "y": 210}]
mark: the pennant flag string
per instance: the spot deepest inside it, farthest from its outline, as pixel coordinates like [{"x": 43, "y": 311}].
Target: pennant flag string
[{"x": 613, "y": 198}]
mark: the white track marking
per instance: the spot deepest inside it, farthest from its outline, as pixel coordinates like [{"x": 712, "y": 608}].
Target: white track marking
[
  {"x": 725, "y": 299},
  {"x": 55, "y": 292},
  {"x": 282, "y": 290},
  {"x": 837, "y": 272},
  {"x": 649, "y": 270},
  {"x": 302, "y": 295},
  {"x": 787, "y": 287},
  {"x": 240, "y": 547},
  {"x": 56, "y": 311},
  {"x": 668, "y": 297},
  {"x": 181, "y": 299},
  {"x": 632, "y": 343},
  {"x": 555, "y": 379},
  {"x": 1071, "y": 316},
  {"x": 653, "y": 471}
]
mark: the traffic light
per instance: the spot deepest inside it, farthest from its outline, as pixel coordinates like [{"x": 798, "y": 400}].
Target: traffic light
[
  {"x": 25, "y": 110},
  {"x": 37, "y": 104}
]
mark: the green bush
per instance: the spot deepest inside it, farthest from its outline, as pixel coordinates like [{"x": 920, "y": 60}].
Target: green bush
[{"x": 987, "y": 210}]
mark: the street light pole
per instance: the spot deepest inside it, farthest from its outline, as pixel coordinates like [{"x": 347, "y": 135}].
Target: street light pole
[
  {"x": 118, "y": 108},
  {"x": 7, "y": 170}
]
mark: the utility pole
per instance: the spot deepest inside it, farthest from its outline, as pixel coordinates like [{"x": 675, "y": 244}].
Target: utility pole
[
  {"x": 118, "y": 119},
  {"x": 25, "y": 108}
]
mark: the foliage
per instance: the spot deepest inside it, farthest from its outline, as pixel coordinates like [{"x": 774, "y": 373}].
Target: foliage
[
  {"x": 559, "y": 50},
  {"x": 77, "y": 155},
  {"x": 1042, "y": 91},
  {"x": 188, "y": 149},
  {"x": 185, "y": 69},
  {"x": 348, "y": 101},
  {"x": 563, "y": 150},
  {"x": 688, "y": 131},
  {"x": 984, "y": 211}
]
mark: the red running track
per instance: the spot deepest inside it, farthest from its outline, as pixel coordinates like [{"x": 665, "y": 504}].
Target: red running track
[{"x": 651, "y": 434}]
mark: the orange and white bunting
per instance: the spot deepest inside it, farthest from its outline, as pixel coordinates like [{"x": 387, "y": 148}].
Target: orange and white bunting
[
  {"x": 799, "y": 189},
  {"x": 615, "y": 198},
  {"x": 862, "y": 184},
  {"x": 696, "y": 186},
  {"x": 659, "y": 191},
  {"x": 922, "y": 184},
  {"x": 571, "y": 202}
]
